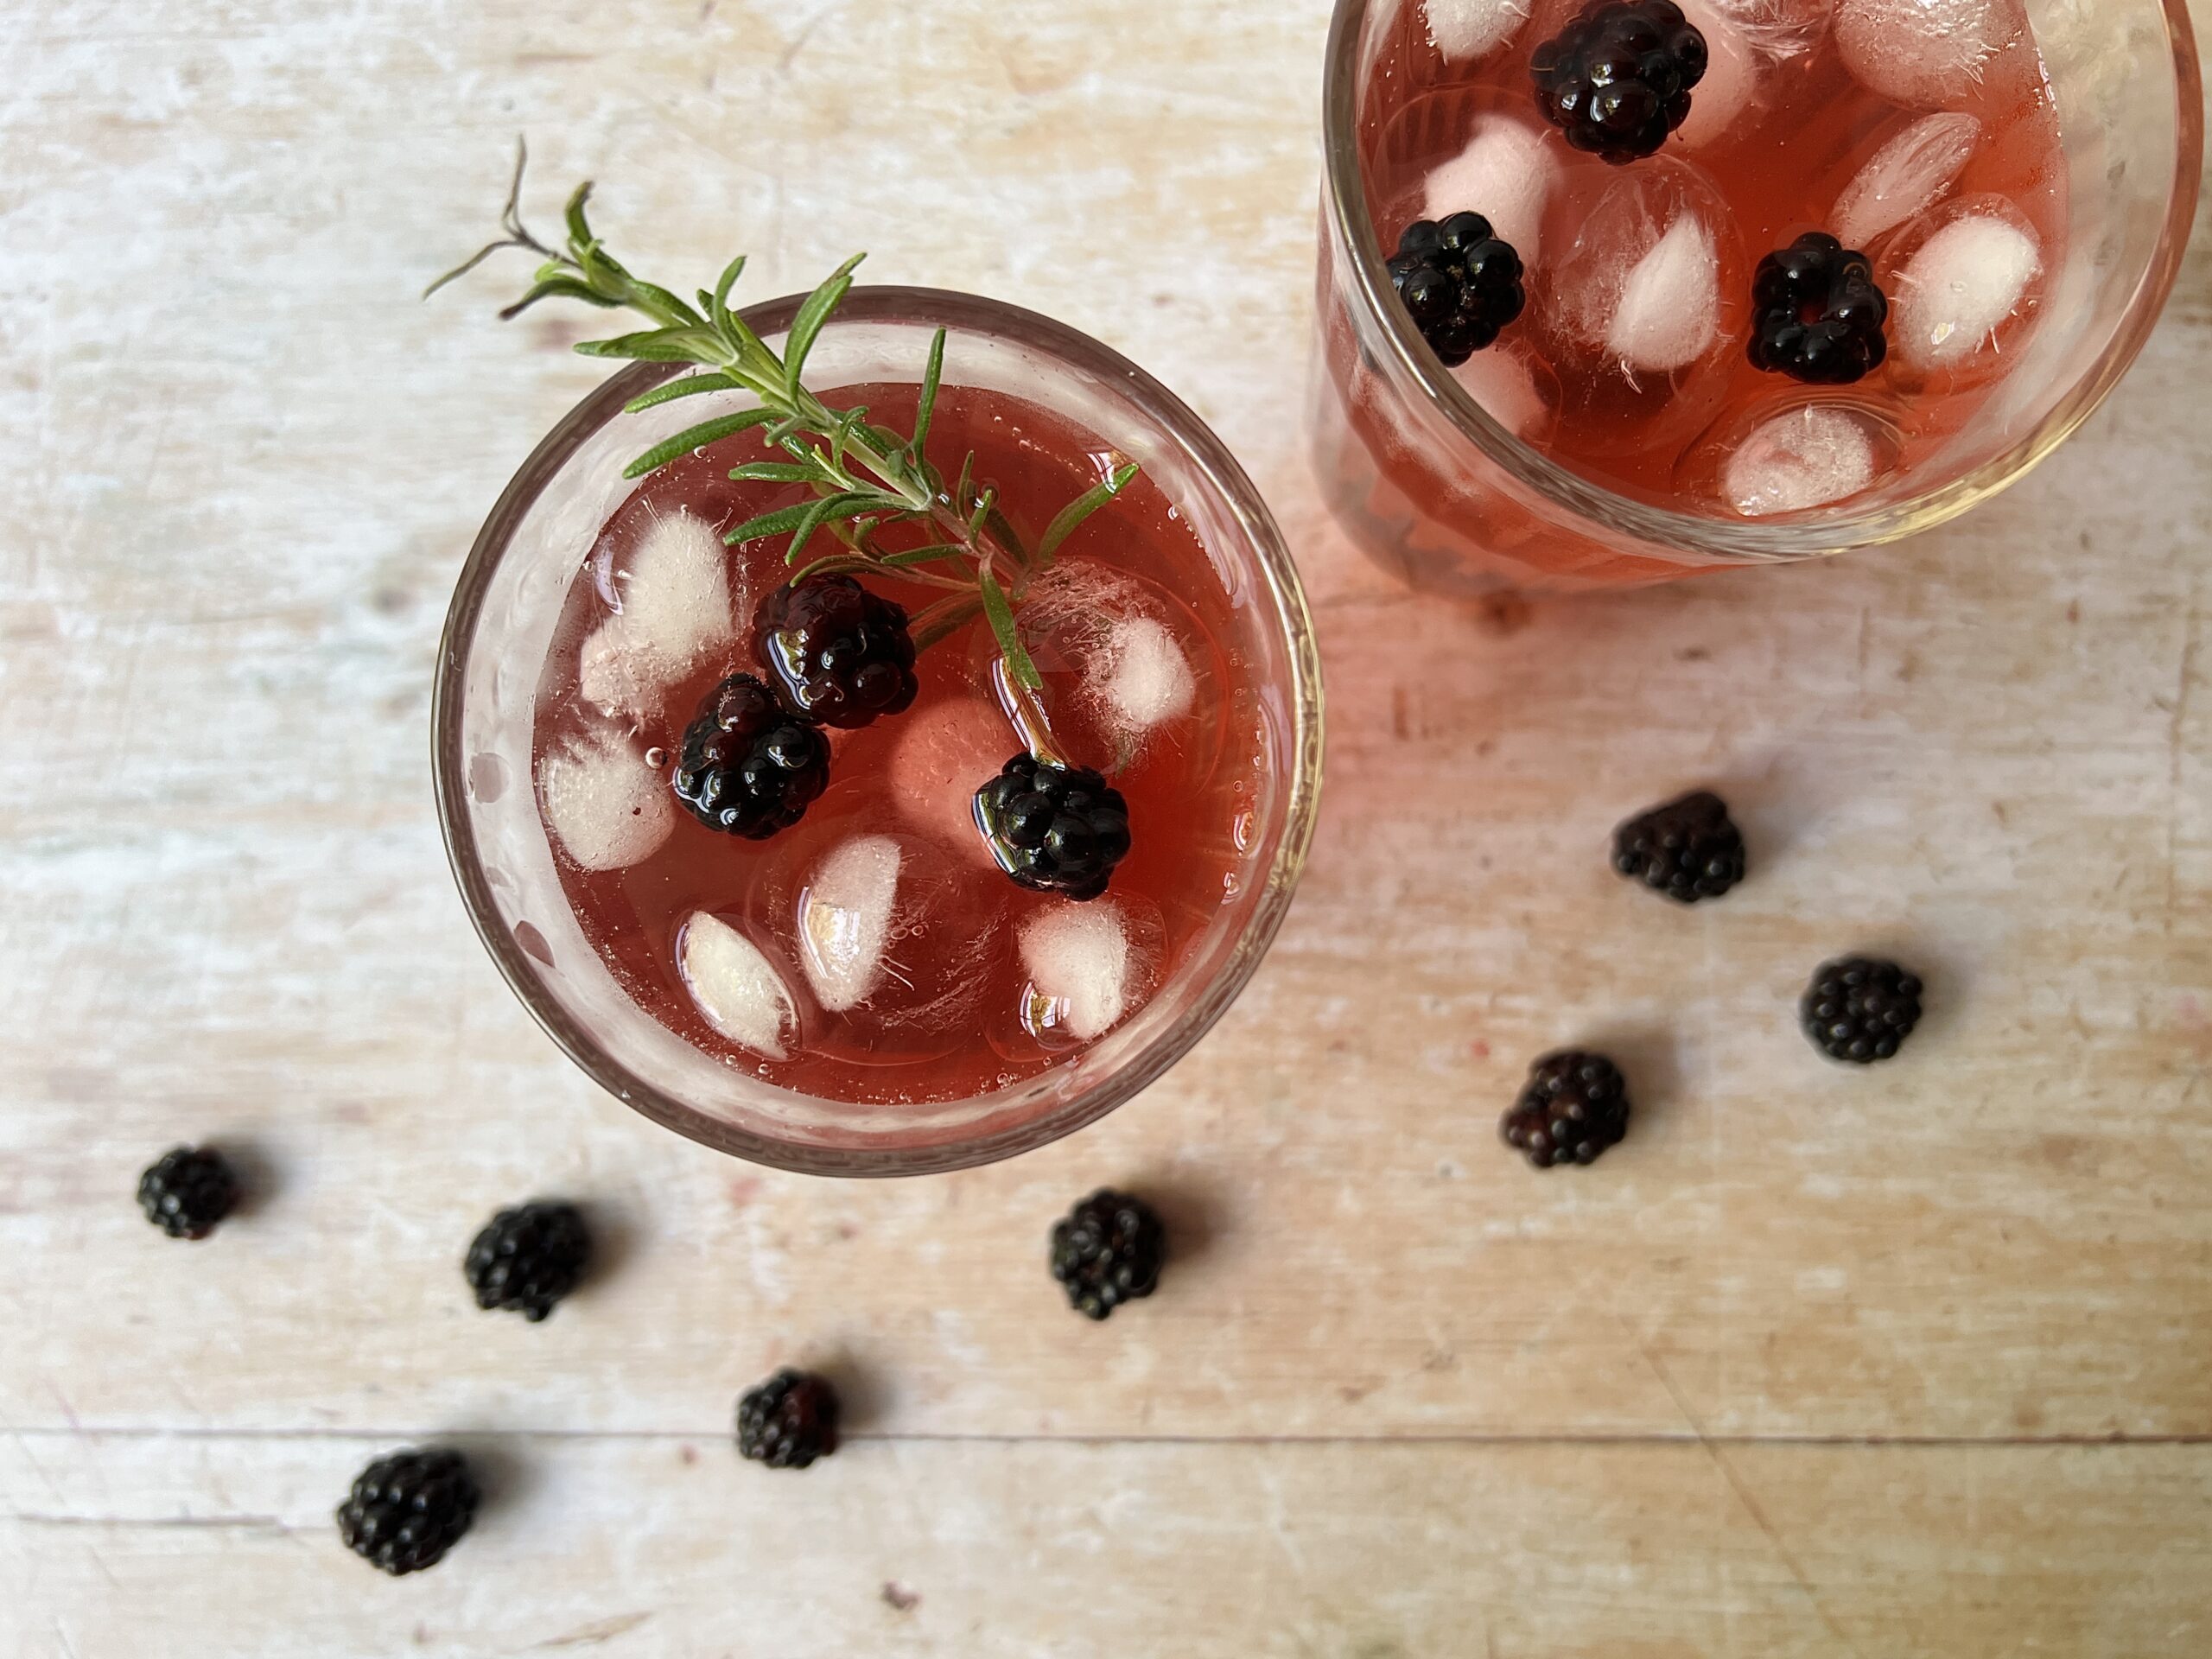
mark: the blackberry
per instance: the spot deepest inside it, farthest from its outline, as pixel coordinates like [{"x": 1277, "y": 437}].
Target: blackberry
[
  {"x": 1860, "y": 1008},
  {"x": 406, "y": 1510},
  {"x": 748, "y": 766},
  {"x": 1817, "y": 314},
  {"x": 186, "y": 1191},
  {"x": 1107, "y": 1250},
  {"x": 789, "y": 1421},
  {"x": 529, "y": 1258},
  {"x": 1688, "y": 849},
  {"x": 839, "y": 653},
  {"x": 1054, "y": 828},
  {"x": 1617, "y": 80},
  {"x": 1574, "y": 1106},
  {"x": 1459, "y": 282}
]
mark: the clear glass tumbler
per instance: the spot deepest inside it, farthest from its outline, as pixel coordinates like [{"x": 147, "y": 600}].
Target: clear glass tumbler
[
  {"x": 510, "y": 597},
  {"x": 1438, "y": 492}
]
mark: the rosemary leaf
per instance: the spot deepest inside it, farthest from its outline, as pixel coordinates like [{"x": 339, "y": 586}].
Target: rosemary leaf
[
  {"x": 651, "y": 345},
  {"x": 688, "y": 386},
  {"x": 806, "y": 328},
  {"x": 549, "y": 288},
  {"x": 1066, "y": 523},
  {"x": 769, "y": 523},
  {"x": 999, "y": 613},
  {"x": 923, "y": 556},
  {"x": 825, "y": 510},
  {"x": 694, "y": 437},
  {"x": 773, "y": 472},
  {"x": 926, "y": 408}
]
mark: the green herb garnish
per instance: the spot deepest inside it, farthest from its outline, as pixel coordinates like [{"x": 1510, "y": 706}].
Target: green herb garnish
[{"x": 866, "y": 479}]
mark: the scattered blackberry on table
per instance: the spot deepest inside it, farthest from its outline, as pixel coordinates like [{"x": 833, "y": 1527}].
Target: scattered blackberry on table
[
  {"x": 1817, "y": 314},
  {"x": 1459, "y": 282},
  {"x": 529, "y": 1258},
  {"x": 748, "y": 766},
  {"x": 1054, "y": 828},
  {"x": 839, "y": 654},
  {"x": 1107, "y": 1250},
  {"x": 1574, "y": 1106},
  {"x": 1617, "y": 80},
  {"x": 186, "y": 1191},
  {"x": 1860, "y": 1008},
  {"x": 789, "y": 1421},
  {"x": 1688, "y": 849},
  {"x": 406, "y": 1510}
]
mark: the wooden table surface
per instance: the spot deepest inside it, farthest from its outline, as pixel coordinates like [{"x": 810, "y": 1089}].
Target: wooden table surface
[{"x": 1905, "y": 1362}]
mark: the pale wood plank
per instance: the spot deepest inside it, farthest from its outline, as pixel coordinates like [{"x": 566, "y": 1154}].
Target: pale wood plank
[{"x": 666, "y": 1545}]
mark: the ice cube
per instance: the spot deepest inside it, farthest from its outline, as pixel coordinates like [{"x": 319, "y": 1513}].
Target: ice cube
[
  {"x": 1924, "y": 54},
  {"x": 1462, "y": 30},
  {"x": 1644, "y": 296},
  {"x": 1670, "y": 307},
  {"x": 844, "y": 919},
  {"x": 676, "y": 606},
  {"x": 1503, "y": 382},
  {"x": 737, "y": 988},
  {"x": 943, "y": 754},
  {"x": 604, "y": 805},
  {"x": 1807, "y": 457},
  {"x": 1730, "y": 80},
  {"x": 1960, "y": 284},
  {"x": 1078, "y": 959},
  {"x": 1505, "y": 173},
  {"x": 1126, "y": 665},
  {"x": 1907, "y": 176}
]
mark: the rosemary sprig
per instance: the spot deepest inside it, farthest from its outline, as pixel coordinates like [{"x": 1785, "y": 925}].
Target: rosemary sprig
[{"x": 866, "y": 479}]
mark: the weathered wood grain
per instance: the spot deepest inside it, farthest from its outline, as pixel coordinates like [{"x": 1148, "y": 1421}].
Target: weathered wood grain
[{"x": 246, "y": 465}]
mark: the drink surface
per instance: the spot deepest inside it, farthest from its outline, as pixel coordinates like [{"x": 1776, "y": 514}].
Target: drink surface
[
  {"x": 1923, "y": 132},
  {"x": 874, "y": 952}
]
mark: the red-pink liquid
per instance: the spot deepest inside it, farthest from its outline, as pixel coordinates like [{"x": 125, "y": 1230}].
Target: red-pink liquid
[
  {"x": 1801, "y": 129},
  {"x": 948, "y": 1018}
]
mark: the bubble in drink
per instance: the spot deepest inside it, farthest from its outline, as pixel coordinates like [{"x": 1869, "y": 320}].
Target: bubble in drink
[
  {"x": 1807, "y": 457},
  {"x": 1959, "y": 285},
  {"x": 1907, "y": 176},
  {"x": 675, "y": 606},
  {"x": 1924, "y": 54},
  {"x": 1505, "y": 173},
  {"x": 1465, "y": 29},
  {"x": 735, "y": 987},
  {"x": 607, "y": 808}
]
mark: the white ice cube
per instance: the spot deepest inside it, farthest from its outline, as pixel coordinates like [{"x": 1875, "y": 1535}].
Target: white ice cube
[
  {"x": 942, "y": 755},
  {"x": 1907, "y": 176},
  {"x": 676, "y": 607},
  {"x": 1670, "y": 302},
  {"x": 1502, "y": 382},
  {"x": 603, "y": 804},
  {"x": 1080, "y": 961},
  {"x": 1806, "y": 458},
  {"x": 737, "y": 988},
  {"x": 1962, "y": 281},
  {"x": 1505, "y": 173},
  {"x": 844, "y": 919},
  {"x": 1142, "y": 674},
  {"x": 1730, "y": 79},
  {"x": 1924, "y": 54},
  {"x": 1462, "y": 29}
]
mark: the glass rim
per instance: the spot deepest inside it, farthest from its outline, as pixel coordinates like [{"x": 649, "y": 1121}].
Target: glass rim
[
  {"x": 1273, "y": 887},
  {"x": 1689, "y": 536}
]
